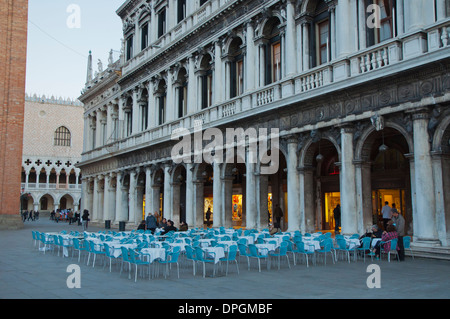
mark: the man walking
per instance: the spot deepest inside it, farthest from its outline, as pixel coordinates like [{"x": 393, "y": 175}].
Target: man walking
[{"x": 399, "y": 223}]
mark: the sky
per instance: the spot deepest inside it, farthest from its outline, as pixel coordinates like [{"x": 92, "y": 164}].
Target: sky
[{"x": 60, "y": 35}]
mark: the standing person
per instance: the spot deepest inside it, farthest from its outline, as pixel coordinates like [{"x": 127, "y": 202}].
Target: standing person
[
  {"x": 57, "y": 215},
  {"x": 278, "y": 213},
  {"x": 208, "y": 216},
  {"x": 150, "y": 222},
  {"x": 337, "y": 218},
  {"x": 386, "y": 211},
  {"x": 70, "y": 216},
  {"x": 85, "y": 219},
  {"x": 399, "y": 223}
]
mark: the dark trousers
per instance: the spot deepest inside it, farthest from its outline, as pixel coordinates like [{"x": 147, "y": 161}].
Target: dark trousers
[{"x": 385, "y": 221}]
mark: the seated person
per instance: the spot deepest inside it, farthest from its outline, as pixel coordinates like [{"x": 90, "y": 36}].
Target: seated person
[
  {"x": 183, "y": 226},
  {"x": 273, "y": 229},
  {"x": 163, "y": 223},
  {"x": 387, "y": 235},
  {"x": 141, "y": 225},
  {"x": 169, "y": 227}
]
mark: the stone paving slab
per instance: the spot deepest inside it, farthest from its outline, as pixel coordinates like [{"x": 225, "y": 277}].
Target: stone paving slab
[{"x": 26, "y": 273}]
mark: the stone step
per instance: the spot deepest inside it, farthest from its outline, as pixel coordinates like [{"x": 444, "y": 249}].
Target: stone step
[{"x": 429, "y": 252}]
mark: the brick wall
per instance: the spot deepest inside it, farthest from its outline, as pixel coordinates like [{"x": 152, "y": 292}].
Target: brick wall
[{"x": 13, "y": 46}]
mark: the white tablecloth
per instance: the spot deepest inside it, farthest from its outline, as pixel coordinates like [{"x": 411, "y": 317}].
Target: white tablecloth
[
  {"x": 116, "y": 248},
  {"x": 352, "y": 243},
  {"x": 311, "y": 245},
  {"x": 154, "y": 253},
  {"x": 206, "y": 242},
  {"x": 228, "y": 243},
  {"x": 250, "y": 239},
  {"x": 219, "y": 252},
  {"x": 263, "y": 249},
  {"x": 277, "y": 239}
]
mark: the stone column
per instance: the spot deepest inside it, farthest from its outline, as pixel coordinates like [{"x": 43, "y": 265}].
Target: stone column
[
  {"x": 132, "y": 197},
  {"x": 167, "y": 209},
  {"x": 107, "y": 202},
  {"x": 217, "y": 196},
  {"x": 100, "y": 202},
  {"x": 217, "y": 72},
  {"x": 306, "y": 199},
  {"x": 349, "y": 221},
  {"x": 250, "y": 190},
  {"x": 192, "y": 87},
  {"x": 94, "y": 213},
  {"x": 175, "y": 199},
  {"x": 190, "y": 220},
  {"x": 198, "y": 203},
  {"x": 305, "y": 45},
  {"x": 135, "y": 112},
  {"x": 425, "y": 206},
  {"x": 84, "y": 193},
  {"x": 292, "y": 185},
  {"x": 227, "y": 201},
  {"x": 364, "y": 196},
  {"x": 263, "y": 201},
  {"x": 291, "y": 57},
  {"x": 120, "y": 211},
  {"x": 441, "y": 179},
  {"x": 346, "y": 27},
  {"x": 98, "y": 130},
  {"x": 148, "y": 191},
  {"x": 250, "y": 65}
]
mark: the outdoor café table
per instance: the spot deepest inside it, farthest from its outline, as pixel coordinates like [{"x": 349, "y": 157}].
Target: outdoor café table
[
  {"x": 67, "y": 239},
  {"x": 116, "y": 248},
  {"x": 265, "y": 248},
  {"x": 181, "y": 245},
  {"x": 277, "y": 239},
  {"x": 228, "y": 243},
  {"x": 154, "y": 253},
  {"x": 205, "y": 242},
  {"x": 311, "y": 244},
  {"x": 250, "y": 239},
  {"x": 218, "y": 252},
  {"x": 352, "y": 242}
]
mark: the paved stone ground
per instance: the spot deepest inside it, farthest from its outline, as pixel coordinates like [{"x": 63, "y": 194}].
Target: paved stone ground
[{"x": 27, "y": 273}]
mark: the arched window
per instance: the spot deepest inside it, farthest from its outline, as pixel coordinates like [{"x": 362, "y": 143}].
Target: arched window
[
  {"x": 206, "y": 81},
  {"x": 272, "y": 51},
  {"x": 386, "y": 27},
  {"x": 236, "y": 68},
  {"x": 62, "y": 136}
]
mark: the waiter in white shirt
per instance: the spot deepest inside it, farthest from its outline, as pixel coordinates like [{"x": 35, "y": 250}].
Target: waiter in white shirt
[{"x": 386, "y": 211}]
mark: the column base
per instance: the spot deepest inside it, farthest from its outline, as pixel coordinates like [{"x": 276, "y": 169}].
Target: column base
[
  {"x": 11, "y": 222},
  {"x": 421, "y": 242}
]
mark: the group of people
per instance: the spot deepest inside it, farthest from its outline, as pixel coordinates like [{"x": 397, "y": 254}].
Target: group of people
[
  {"x": 65, "y": 215},
  {"x": 152, "y": 222},
  {"x": 394, "y": 227},
  {"x": 27, "y": 215}
]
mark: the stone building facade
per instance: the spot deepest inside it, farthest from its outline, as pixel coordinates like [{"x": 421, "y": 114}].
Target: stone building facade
[
  {"x": 356, "y": 91},
  {"x": 52, "y": 146}
]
